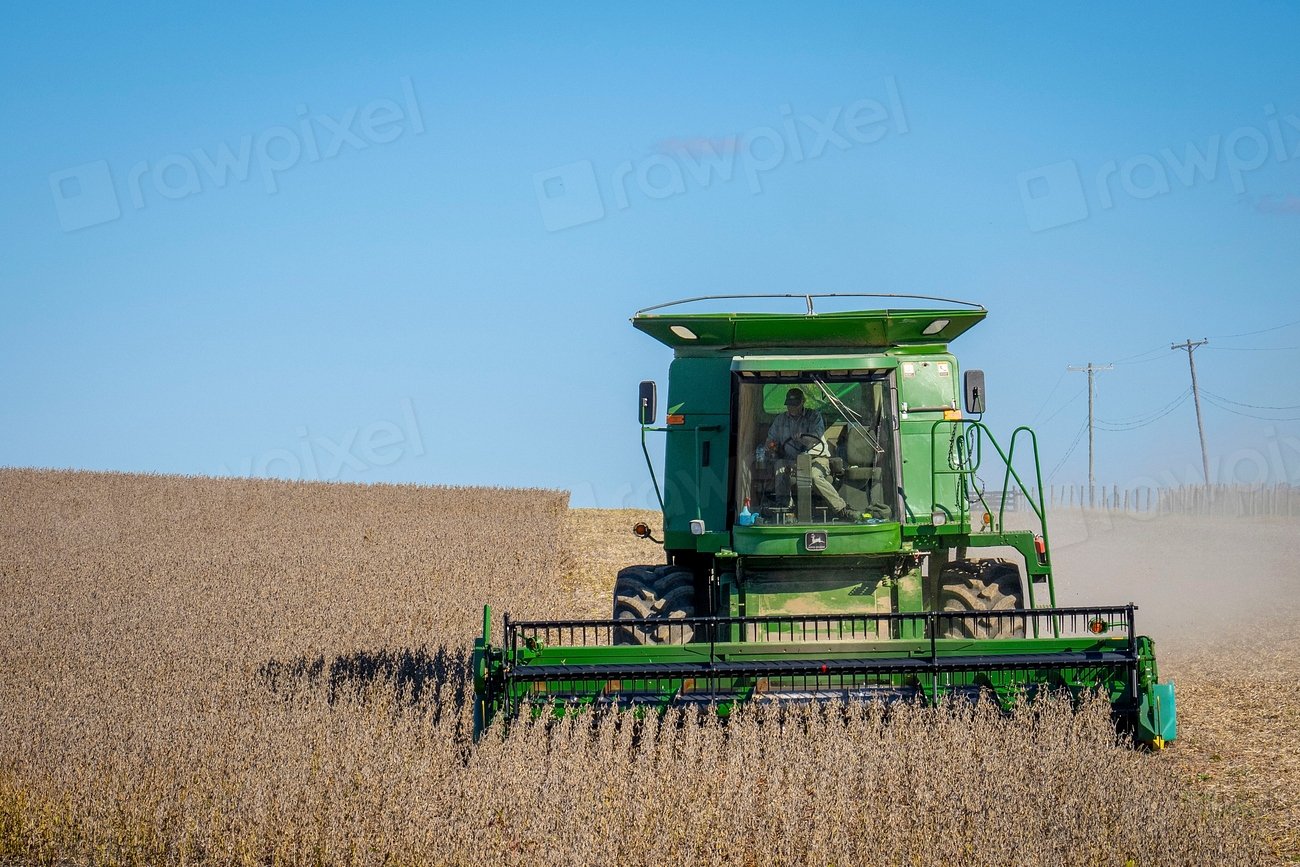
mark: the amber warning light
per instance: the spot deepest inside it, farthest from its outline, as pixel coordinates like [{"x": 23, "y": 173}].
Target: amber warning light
[{"x": 642, "y": 531}]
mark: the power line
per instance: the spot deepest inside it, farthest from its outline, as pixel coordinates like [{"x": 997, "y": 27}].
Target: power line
[
  {"x": 1151, "y": 418},
  {"x": 1059, "y": 409},
  {"x": 1209, "y": 393},
  {"x": 1253, "y": 333},
  {"x": 1048, "y": 399},
  {"x": 1255, "y": 348},
  {"x": 1218, "y": 405},
  {"x": 1145, "y": 415},
  {"x": 1143, "y": 361},
  {"x": 1078, "y": 436},
  {"x": 1150, "y": 421},
  {"x": 1128, "y": 359}
]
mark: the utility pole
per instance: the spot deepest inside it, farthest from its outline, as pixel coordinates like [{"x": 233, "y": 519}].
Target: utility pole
[
  {"x": 1092, "y": 478},
  {"x": 1190, "y": 346}
]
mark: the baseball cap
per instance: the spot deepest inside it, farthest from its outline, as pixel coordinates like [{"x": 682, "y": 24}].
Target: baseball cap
[{"x": 793, "y": 396}]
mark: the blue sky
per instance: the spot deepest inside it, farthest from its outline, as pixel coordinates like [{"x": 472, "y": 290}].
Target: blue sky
[{"x": 403, "y": 244}]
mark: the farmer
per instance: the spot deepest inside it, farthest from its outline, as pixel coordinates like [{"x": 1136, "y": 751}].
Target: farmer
[{"x": 799, "y": 430}]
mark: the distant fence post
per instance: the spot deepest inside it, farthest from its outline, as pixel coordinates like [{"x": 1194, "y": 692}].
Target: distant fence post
[{"x": 1259, "y": 500}]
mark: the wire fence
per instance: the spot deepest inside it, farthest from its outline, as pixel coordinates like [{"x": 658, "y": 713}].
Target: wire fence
[{"x": 1228, "y": 501}]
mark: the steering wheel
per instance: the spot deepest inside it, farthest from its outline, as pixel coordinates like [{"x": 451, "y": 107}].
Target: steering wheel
[{"x": 806, "y": 443}]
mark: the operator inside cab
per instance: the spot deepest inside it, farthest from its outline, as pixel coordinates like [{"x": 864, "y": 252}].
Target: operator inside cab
[{"x": 796, "y": 431}]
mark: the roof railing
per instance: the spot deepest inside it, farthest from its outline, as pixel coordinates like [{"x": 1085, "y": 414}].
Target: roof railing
[{"x": 808, "y": 299}]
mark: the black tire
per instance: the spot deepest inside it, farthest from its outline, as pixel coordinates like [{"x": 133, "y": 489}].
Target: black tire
[
  {"x": 650, "y": 595},
  {"x": 981, "y": 585}
]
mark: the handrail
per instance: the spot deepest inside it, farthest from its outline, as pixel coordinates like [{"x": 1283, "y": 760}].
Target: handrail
[
  {"x": 974, "y": 458},
  {"x": 645, "y": 449},
  {"x": 970, "y": 466},
  {"x": 808, "y": 299},
  {"x": 1039, "y": 508}
]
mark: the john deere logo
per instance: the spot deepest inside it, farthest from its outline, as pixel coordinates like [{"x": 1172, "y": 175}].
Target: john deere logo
[{"x": 815, "y": 541}]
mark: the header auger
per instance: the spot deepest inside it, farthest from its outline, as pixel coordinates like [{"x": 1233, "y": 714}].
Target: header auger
[{"x": 824, "y": 510}]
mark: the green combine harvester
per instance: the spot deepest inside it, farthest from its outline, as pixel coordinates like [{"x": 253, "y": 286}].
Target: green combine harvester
[{"x": 828, "y": 534}]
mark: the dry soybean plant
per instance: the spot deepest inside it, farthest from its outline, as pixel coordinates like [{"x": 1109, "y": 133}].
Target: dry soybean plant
[
  {"x": 957, "y": 784},
  {"x": 200, "y": 671}
]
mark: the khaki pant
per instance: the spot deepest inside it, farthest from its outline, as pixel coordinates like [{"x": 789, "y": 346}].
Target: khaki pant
[{"x": 821, "y": 481}]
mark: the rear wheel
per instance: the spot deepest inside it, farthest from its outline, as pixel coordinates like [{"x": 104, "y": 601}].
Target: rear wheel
[
  {"x": 650, "y": 596},
  {"x": 981, "y": 585}
]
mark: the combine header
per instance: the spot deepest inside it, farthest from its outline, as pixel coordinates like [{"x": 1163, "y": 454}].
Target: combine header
[{"x": 824, "y": 507}]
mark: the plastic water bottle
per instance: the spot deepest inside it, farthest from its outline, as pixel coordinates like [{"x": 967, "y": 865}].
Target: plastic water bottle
[{"x": 746, "y": 517}]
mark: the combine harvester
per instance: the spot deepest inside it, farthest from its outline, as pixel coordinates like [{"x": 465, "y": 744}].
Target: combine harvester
[{"x": 827, "y": 535}]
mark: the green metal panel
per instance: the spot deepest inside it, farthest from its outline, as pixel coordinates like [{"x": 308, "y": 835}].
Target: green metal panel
[
  {"x": 1021, "y": 540},
  {"x": 782, "y": 540},
  {"x": 779, "y": 594},
  {"x": 837, "y": 589},
  {"x": 699, "y": 390},
  {"x": 678, "y": 540},
  {"x": 813, "y": 362},
  {"x": 921, "y": 458},
  {"x": 861, "y": 328},
  {"x": 926, "y": 383},
  {"x": 700, "y": 385}
]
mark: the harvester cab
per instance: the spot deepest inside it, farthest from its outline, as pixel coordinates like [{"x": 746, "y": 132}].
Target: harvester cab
[{"x": 825, "y": 495}]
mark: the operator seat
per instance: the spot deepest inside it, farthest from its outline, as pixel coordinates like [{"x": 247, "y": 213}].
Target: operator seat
[{"x": 862, "y": 485}]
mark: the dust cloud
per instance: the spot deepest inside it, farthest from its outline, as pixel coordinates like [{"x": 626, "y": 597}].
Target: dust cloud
[{"x": 1198, "y": 582}]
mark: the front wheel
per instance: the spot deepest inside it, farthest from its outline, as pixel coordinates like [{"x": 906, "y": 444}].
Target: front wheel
[
  {"x": 650, "y": 598},
  {"x": 991, "y": 586}
]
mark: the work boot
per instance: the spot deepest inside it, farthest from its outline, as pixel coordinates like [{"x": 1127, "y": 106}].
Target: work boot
[{"x": 848, "y": 514}]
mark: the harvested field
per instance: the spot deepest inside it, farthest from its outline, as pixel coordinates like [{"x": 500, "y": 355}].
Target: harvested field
[
  {"x": 1223, "y": 598},
  {"x": 227, "y": 671}
]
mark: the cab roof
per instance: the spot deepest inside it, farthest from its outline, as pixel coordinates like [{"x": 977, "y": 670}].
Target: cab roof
[{"x": 866, "y": 329}]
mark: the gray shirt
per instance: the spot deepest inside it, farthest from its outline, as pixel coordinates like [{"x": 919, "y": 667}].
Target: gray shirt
[{"x": 786, "y": 427}]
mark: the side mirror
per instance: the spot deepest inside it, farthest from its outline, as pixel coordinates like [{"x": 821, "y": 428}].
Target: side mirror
[
  {"x": 646, "y": 409},
  {"x": 974, "y": 385}
]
